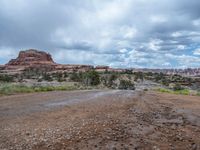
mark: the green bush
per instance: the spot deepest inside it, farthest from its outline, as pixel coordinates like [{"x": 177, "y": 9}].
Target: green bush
[
  {"x": 108, "y": 80},
  {"x": 126, "y": 85},
  {"x": 6, "y": 78},
  {"x": 111, "y": 80},
  {"x": 47, "y": 77},
  {"x": 10, "y": 89},
  {"x": 164, "y": 90},
  {"x": 91, "y": 78},
  {"x": 76, "y": 77},
  {"x": 177, "y": 87},
  {"x": 139, "y": 75},
  {"x": 181, "y": 92},
  {"x": 7, "y": 89}
]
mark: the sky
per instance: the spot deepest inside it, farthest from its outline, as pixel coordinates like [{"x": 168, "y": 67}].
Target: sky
[{"x": 117, "y": 33}]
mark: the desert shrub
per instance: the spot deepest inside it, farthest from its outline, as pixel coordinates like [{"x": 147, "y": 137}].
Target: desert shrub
[
  {"x": 165, "y": 82},
  {"x": 149, "y": 73},
  {"x": 181, "y": 92},
  {"x": 91, "y": 78},
  {"x": 126, "y": 85},
  {"x": 47, "y": 77},
  {"x": 177, "y": 87},
  {"x": 39, "y": 80},
  {"x": 159, "y": 77},
  {"x": 32, "y": 72},
  {"x": 139, "y": 75},
  {"x": 46, "y": 88},
  {"x": 59, "y": 76},
  {"x": 8, "y": 89},
  {"x": 11, "y": 89},
  {"x": 76, "y": 77},
  {"x": 6, "y": 78},
  {"x": 128, "y": 71},
  {"x": 164, "y": 90},
  {"x": 108, "y": 80},
  {"x": 111, "y": 79},
  {"x": 177, "y": 78},
  {"x": 66, "y": 74}
]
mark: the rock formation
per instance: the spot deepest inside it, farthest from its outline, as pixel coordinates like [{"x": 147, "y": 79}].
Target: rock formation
[
  {"x": 102, "y": 68},
  {"x": 39, "y": 59},
  {"x": 2, "y": 67},
  {"x": 31, "y": 57}
]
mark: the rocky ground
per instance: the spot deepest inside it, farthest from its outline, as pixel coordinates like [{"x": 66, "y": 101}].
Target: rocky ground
[{"x": 101, "y": 119}]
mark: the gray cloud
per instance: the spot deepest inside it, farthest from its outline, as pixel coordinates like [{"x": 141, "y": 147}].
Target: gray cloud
[{"x": 131, "y": 33}]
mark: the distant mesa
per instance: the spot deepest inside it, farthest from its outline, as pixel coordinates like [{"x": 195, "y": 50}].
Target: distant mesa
[{"x": 31, "y": 57}]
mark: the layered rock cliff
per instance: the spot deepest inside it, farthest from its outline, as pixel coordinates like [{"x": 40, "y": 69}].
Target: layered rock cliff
[{"x": 31, "y": 57}]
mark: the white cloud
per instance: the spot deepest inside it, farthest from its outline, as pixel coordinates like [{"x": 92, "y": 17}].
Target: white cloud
[
  {"x": 196, "y": 22},
  {"x": 123, "y": 50},
  {"x": 116, "y": 32},
  {"x": 154, "y": 44},
  {"x": 196, "y": 52},
  {"x": 158, "y": 19},
  {"x": 176, "y": 34},
  {"x": 128, "y": 32},
  {"x": 181, "y": 47}
]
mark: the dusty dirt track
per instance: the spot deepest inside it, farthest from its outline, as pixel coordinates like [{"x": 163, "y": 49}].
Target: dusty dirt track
[{"x": 100, "y": 120}]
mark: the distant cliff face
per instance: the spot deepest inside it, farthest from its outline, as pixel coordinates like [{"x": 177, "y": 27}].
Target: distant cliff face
[{"x": 31, "y": 57}]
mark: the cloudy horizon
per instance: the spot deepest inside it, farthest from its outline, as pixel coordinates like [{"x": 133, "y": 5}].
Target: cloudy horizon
[{"x": 117, "y": 33}]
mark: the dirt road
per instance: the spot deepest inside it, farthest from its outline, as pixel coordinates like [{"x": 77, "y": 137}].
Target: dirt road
[{"x": 97, "y": 120}]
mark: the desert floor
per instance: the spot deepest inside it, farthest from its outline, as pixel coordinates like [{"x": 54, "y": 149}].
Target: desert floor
[{"x": 100, "y": 119}]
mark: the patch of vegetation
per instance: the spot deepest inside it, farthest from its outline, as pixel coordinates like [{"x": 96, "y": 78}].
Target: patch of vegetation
[
  {"x": 126, "y": 85},
  {"x": 139, "y": 76},
  {"x": 91, "y": 78},
  {"x": 8, "y": 89},
  {"x": 181, "y": 92},
  {"x": 76, "y": 77},
  {"x": 6, "y": 78},
  {"x": 108, "y": 80},
  {"x": 177, "y": 87},
  {"x": 47, "y": 77}
]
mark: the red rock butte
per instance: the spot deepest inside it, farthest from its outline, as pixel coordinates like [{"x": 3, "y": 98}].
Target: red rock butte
[
  {"x": 31, "y": 57},
  {"x": 40, "y": 59}
]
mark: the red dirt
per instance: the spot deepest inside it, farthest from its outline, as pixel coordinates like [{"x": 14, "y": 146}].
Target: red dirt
[{"x": 100, "y": 120}]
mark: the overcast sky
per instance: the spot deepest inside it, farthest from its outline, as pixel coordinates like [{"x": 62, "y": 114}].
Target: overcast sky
[{"x": 118, "y": 33}]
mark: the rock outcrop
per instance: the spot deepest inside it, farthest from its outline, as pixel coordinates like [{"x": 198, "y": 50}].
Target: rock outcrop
[
  {"x": 31, "y": 57},
  {"x": 102, "y": 68},
  {"x": 2, "y": 67},
  {"x": 39, "y": 59}
]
